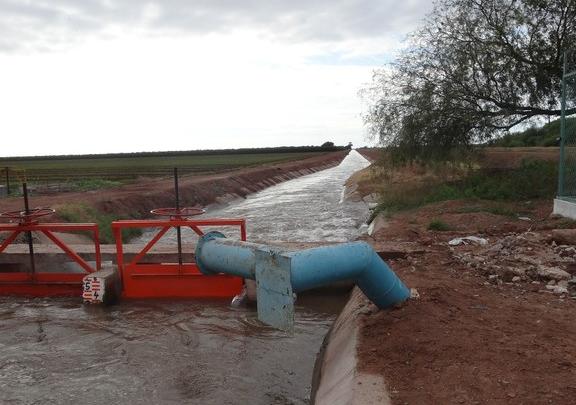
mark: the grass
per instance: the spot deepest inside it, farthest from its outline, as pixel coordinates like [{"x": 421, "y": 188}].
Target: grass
[
  {"x": 67, "y": 169},
  {"x": 438, "y": 225},
  {"x": 83, "y": 213},
  {"x": 532, "y": 180},
  {"x": 94, "y": 184},
  {"x": 547, "y": 135},
  {"x": 492, "y": 209}
]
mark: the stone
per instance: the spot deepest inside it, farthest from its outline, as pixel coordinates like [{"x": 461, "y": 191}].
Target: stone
[
  {"x": 560, "y": 290},
  {"x": 552, "y": 273},
  {"x": 516, "y": 279},
  {"x": 564, "y": 236}
]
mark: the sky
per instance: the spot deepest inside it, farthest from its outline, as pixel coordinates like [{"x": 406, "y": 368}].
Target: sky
[{"x": 100, "y": 76}]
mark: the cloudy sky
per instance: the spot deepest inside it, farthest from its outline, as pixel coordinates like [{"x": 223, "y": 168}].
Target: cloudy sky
[{"x": 94, "y": 76}]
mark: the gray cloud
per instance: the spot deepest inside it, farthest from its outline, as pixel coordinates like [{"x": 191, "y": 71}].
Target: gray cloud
[{"x": 39, "y": 24}]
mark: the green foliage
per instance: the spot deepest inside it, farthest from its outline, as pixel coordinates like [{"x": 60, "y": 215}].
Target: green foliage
[
  {"x": 438, "y": 225},
  {"x": 547, "y": 135},
  {"x": 84, "y": 213},
  {"x": 94, "y": 184},
  {"x": 532, "y": 180},
  {"x": 471, "y": 72},
  {"x": 122, "y": 167},
  {"x": 498, "y": 209}
]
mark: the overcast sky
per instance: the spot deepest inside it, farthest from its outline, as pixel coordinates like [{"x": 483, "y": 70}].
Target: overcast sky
[{"x": 95, "y": 76}]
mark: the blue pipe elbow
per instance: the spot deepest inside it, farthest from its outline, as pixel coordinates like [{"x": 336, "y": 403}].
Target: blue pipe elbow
[
  {"x": 309, "y": 268},
  {"x": 355, "y": 261}
]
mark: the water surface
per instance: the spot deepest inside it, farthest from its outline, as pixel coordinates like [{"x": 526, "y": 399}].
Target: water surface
[{"x": 58, "y": 351}]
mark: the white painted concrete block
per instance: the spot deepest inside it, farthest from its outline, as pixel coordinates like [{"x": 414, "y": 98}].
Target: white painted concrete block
[{"x": 565, "y": 208}]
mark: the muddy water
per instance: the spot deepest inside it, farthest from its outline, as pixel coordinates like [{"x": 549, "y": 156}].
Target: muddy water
[
  {"x": 183, "y": 352},
  {"x": 60, "y": 352}
]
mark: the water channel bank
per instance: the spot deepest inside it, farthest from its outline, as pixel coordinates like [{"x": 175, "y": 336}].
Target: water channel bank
[{"x": 136, "y": 200}]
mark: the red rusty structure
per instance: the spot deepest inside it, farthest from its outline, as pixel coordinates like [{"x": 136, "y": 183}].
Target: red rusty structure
[
  {"x": 173, "y": 280},
  {"x": 34, "y": 282}
]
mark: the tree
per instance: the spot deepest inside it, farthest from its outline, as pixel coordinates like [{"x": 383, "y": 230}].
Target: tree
[
  {"x": 475, "y": 69},
  {"x": 327, "y": 144}
]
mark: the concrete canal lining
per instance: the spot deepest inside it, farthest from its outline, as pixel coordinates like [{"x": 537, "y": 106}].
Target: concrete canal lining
[{"x": 337, "y": 379}]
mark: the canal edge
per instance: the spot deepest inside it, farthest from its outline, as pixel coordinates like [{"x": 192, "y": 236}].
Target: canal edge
[{"x": 336, "y": 378}]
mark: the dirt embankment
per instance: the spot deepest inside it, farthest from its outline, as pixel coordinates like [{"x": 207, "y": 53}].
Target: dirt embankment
[
  {"x": 136, "y": 200},
  {"x": 494, "y": 323},
  {"x": 492, "y": 157}
]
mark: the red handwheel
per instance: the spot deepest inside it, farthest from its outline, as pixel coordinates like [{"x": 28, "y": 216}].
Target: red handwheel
[{"x": 24, "y": 217}]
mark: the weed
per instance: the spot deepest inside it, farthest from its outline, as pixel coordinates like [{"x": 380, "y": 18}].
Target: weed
[
  {"x": 532, "y": 180},
  {"x": 565, "y": 223},
  {"x": 94, "y": 184},
  {"x": 85, "y": 213},
  {"x": 438, "y": 225}
]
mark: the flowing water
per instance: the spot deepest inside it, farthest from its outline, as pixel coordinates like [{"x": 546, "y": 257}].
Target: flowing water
[{"x": 58, "y": 351}]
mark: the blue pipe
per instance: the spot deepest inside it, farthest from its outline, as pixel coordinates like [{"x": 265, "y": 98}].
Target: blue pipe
[{"x": 309, "y": 268}]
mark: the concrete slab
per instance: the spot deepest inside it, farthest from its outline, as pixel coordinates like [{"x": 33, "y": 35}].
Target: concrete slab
[{"x": 565, "y": 208}]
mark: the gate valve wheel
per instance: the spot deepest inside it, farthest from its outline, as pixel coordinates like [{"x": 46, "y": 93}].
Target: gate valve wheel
[
  {"x": 26, "y": 218},
  {"x": 178, "y": 213}
]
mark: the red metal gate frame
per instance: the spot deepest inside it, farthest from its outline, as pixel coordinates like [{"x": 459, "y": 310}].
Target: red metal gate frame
[
  {"x": 42, "y": 283},
  {"x": 172, "y": 280}
]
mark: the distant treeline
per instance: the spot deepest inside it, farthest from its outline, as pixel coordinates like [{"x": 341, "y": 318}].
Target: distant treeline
[
  {"x": 206, "y": 152},
  {"x": 547, "y": 135}
]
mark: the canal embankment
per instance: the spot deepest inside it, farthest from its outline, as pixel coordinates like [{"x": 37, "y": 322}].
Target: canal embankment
[{"x": 494, "y": 317}]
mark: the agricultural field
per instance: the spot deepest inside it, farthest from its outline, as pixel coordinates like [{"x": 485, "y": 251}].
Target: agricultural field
[{"x": 97, "y": 171}]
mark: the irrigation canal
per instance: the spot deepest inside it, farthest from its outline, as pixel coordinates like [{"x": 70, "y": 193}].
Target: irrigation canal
[{"x": 55, "y": 351}]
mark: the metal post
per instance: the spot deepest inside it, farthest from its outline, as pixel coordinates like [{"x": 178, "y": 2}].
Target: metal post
[
  {"x": 178, "y": 230},
  {"x": 29, "y": 233},
  {"x": 561, "y": 174},
  {"x": 7, "y": 180}
]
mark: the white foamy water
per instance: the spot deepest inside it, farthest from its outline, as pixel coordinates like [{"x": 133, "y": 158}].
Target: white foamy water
[{"x": 309, "y": 208}]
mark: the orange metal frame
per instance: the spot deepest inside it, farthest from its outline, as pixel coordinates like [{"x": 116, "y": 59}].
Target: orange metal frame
[
  {"x": 172, "y": 280},
  {"x": 42, "y": 283}
]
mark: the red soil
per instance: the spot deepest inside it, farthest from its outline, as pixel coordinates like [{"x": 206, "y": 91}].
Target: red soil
[{"x": 473, "y": 337}]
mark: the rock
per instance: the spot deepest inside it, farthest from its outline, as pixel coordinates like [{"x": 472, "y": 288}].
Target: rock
[
  {"x": 516, "y": 279},
  {"x": 509, "y": 273},
  {"x": 564, "y": 236},
  {"x": 552, "y": 273},
  {"x": 560, "y": 290},
  {"x": 467, "y": 240}
]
